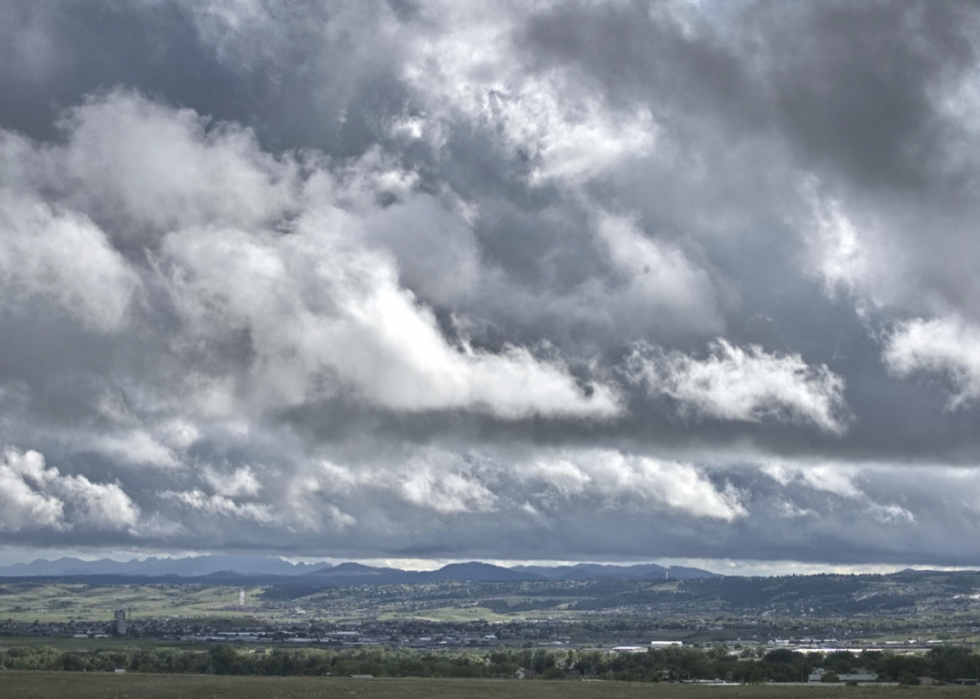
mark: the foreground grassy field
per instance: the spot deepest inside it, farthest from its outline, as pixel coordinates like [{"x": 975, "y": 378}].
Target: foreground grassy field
[{"x": 54, "y": 685}]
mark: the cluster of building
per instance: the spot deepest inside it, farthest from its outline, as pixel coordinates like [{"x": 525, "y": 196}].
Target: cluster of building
[
  {"x": 118, "y": 626},
  {"x": 407, "y": 633},
  {"x": 626, "y": 650},
  {"x": 819, "y": 674}
]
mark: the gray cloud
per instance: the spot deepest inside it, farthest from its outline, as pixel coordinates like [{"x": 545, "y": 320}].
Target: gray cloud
[{"x": 422, "y": 280}]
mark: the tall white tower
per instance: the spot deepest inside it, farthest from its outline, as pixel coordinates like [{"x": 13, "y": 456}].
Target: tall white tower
[
  {"x": 120, "y": 620},
  {"x": 241, "y": 597}
]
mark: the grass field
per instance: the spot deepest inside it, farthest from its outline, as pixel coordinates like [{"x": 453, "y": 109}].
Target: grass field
[
  {"x": 90, "y": 644},
  {"x": 61, "y": 602},
  {"x": 55, "y": 685},
  {"x": 454, "y": 614}
]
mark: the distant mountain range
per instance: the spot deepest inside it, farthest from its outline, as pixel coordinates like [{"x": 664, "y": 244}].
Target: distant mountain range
[
  {"x": 583, "y": 571},
  {"x": 270, "y": 570},
  {"x": 191, "y": 566}
]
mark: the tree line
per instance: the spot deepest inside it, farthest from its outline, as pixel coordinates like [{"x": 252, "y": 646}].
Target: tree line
[{"x": 655, "y": 665}]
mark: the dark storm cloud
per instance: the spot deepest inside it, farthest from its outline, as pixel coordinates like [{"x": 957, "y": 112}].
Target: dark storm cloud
[
  {"x": 439, "y": 279},
  {"x": 303, "y": 74},
  {"x": 858, "y": 94},
  {"x": 857, "y": 89},
  {"x": 852, "y": 86}
]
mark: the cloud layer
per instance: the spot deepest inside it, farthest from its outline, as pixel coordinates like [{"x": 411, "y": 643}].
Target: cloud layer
[{"x": 440, "y": 279}]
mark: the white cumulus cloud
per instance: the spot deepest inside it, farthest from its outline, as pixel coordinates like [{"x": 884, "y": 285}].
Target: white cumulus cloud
[
  {"x": 34, "y": 495},
  {"x": 949, "y": 346},
  {"x": 245, "y": 243},
  {"x": 239, "y": 482},
  {"x": 475, "y": 72},
  {"x": 633, "y": 481},
  {"x": 750, "y": 385},
  {"x": 221, "y": 506},
  {"x": 309, "y": 298},
  {"x": 61, "y": 259},
  {"x": 447, "y": 493}
]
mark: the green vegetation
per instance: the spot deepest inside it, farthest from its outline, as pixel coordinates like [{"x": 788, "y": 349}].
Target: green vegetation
[
  {"x": 87, "y": 644},
  {"x": 655, "y": 665}
]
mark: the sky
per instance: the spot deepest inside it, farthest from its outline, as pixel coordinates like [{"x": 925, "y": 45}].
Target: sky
[{"x": 430, "y": 280}]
